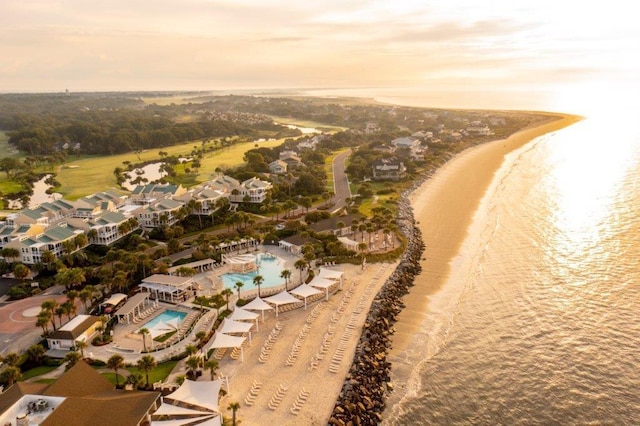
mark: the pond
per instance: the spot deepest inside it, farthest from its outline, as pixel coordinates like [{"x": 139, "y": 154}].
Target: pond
[
  {"x": 39, "y": 196},
  {"x": 151, "y": 172}
]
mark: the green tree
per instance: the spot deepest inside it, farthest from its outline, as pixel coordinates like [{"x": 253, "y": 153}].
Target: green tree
[
  {"x": 257, "y": 281},
  {"x": 115, "y": 363},
  {"x": 238, "y": 285},
  {"x": 71, "y": 358},
  {"x": 143, "y": 332},
  {"x": 226, "y": 293},
  {"x": 211, "y": 365},
  {"x": 36, "y": 353},
  {"x": 9, "y": 375},
  {"x": 146, "y": 364},
  {"x": 286, "y": 274},
  {"x": 233, "y": 406}
]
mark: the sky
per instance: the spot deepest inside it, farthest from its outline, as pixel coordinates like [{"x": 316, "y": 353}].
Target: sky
[{"x": 506, "y": 54}]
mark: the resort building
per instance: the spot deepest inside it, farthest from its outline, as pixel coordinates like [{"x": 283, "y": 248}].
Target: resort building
[
  {"x": 388, "y": 169},
  {"x": 80, "y": 397},
  {"x": 477, "y": 128},
  {"x": 336, "y": 225},
  {"x": 11, "y": 233},
  {"x": 278, "y": 167},
  {"x": 207, "y": 199},
  {"x": 82, "y": 328},
  {"x": 109, "y": 228},
  {"x": 169, "y": 288},
  {"x": 251, "y": 190},
  {"x": 406, "y": 142},
  {"x": 148, "y": 194},
  {"x": 294, "y": 243},
  {"x": 159, "y": 213},
  {"x": 59, "y": 240},
  {"x": 291, "y": 158}
]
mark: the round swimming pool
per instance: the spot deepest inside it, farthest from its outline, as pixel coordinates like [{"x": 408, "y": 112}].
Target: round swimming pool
[{"x": 269, "y": 267}]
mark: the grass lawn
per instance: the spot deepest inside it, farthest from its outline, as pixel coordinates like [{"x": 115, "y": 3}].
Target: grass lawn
[
  {"x": 10, "y": 187},
  {"x": 37, "y": 371},
  {"x": 161, "y": 372},
  {"x": 7, "y": 150},
  {"x": 112, "y": 378},
  {"x": 87, "y": 175},
  {"x": 46, "y": 381}
]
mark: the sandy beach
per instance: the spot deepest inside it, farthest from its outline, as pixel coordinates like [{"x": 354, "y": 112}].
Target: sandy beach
[
  {"x": 305, "y": 378},
  {"x": 444, "y": 207}
]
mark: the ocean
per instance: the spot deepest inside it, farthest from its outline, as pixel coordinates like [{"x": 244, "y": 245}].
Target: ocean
[{"x": 538, "y": 322}]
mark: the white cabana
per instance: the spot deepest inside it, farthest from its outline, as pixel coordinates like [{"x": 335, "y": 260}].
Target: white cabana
[
  {"x": 163, "y": 327},
  {"x": 230, "y": 326},
  {"x": 282, "y": 298},
  {"x": 182, "y": 422},
  {"x": 221, "y": 340},
  {"x": 174, "y": 410},
  {"x": 200, "y": 394},
  {"x": 331, "y": 274},
  {"x": 324, "y": 283},
  {"x": 348, "y": 243},
  {"x": 305, "y": 290},
  {"x": 240, "y": 314},
  {"x": 258, "y": 304}
]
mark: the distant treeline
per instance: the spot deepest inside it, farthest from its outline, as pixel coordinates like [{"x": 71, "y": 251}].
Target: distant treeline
[{"x": 95, "y": 124}]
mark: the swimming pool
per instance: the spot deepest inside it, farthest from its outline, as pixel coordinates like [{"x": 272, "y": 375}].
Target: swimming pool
[
  {"x": 165, "y": 321},
  {"x": 269, "y": 267}
]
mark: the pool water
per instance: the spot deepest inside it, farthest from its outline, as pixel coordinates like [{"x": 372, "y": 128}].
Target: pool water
[
  {"x": 269, "y": 267},
  {"x": 167, "y": 316}
]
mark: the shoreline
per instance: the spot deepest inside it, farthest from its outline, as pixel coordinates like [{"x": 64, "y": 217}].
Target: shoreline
[{"x": 445, "y": 216}]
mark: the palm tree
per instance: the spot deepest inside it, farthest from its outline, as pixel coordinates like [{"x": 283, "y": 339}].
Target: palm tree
[
  {"x": 212, "y": 366},
  {"x": 257, "y": 281},
  {"x": 10, "y": 253},
  {"x": 10, "y": 375},
  {"x": 50, "y": 306},
  {"x": 226, "y": 293},
  {"x": 300, "y": 264},
  {"x": 234, "y": 406},
  {"x": 193, "y": 363},
  {"x": 36, "y": 353},
  {"x": 190, "y": 350},
  {"x": 43, "y": 319},
  {"x": 71, "y": 358},
  {"x": 146, "y": 364},
  {"x": 80, "y": 345},
  {"x": 144, "y": 331},
  {"x": 285, "y": 274},
  {"x": 115, "y": 363},
  {"x": 238, "y": 285}
]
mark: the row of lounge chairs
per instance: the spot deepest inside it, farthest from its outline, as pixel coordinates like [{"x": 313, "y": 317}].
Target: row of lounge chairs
[{"x": 144, "y": 315}]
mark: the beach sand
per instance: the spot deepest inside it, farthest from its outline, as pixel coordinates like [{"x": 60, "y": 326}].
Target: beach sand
[
  {"x": 337, "y": 322},
  {"x": 444, "y": 206}
]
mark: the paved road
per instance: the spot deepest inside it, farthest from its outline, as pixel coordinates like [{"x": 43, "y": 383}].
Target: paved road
[{"x": 340, "y": 181}]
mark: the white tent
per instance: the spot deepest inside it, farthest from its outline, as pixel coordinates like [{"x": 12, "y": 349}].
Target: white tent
[
  {"x": 348, "y": 243},
  {"x": 324, "y": 283},
  {"x": 258, "y": 304},
  {"x": 305, "y": 290},
  {"x": 200, "y": 394},
  {"x": 214, "y": 421},
  {"x": 173, "y": 410},
  {"x": 230, "y": 326},
  {"x": 163, "y": 327},
  {"x": 221, "y": 340},
  {"x": 331, "y": 274},
  {"x": 240, "y": 314},
  {"x": 182, "y": 422},
  {"x": 282, "y": 298}
]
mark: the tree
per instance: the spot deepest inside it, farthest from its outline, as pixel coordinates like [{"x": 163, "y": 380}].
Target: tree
[
  {"x": 10, "y": 253},
  {"x": 81, "y": 345},
  {"x": 257, "y": 281},
  {"x": 212, "y": 366},
  {"x": 71, "y": 358},
  {"x": 115, "y": 363},
  {"x": 146, "y": 364},
  {"x": 300, "y": 265},
  {"x": 193, "y": 363},
  {"x": 143, "y": 332},
  {"x": 234, "y": 406},
  {"x": 285, "y": 274},
  {"x": 50, "y": 306},
  {"x": 43, "y": 319},
  {"x": 36, "y": 353},
  {"x": 9, "y": 375},
  {"x": 20, "y": 271},
  {"x": 226, "y": 293},
  {"x": 238, "y": 285}
]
